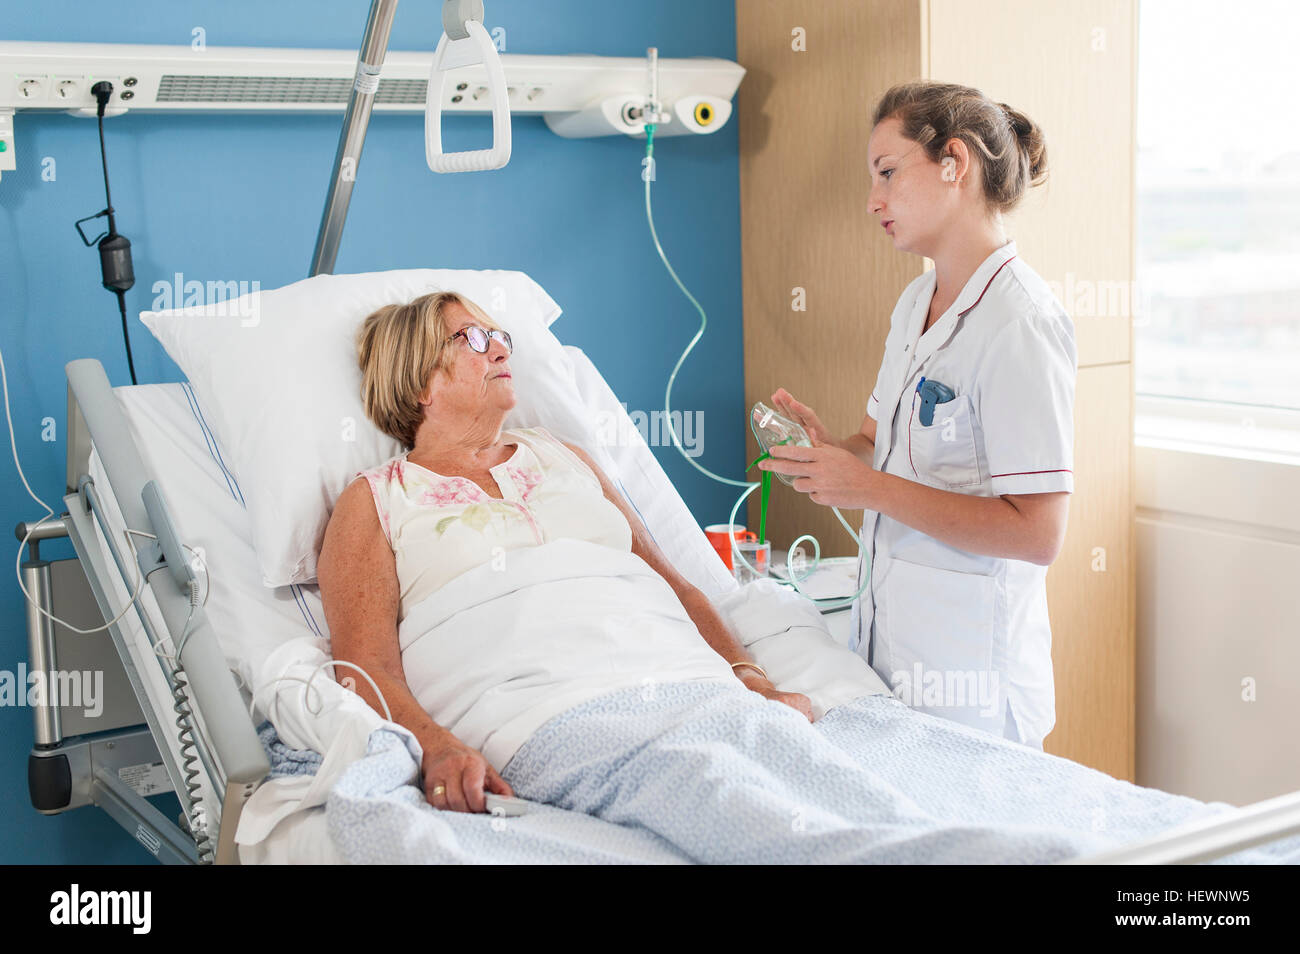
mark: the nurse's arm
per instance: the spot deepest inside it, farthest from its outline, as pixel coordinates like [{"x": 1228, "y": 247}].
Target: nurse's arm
[
  {"x": 862, "y": 444},
  {"x": 1029, "y": 527}
]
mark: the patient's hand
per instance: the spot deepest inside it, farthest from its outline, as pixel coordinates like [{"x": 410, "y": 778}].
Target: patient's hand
[
  {"x": 795, "y": 700},
  {"x": 462, "y": 773}
]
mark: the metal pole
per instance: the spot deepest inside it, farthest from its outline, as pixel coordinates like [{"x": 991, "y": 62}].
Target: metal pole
[
  {"x": 40, "y": 650},
  {"x": 40, "y": 628},
  {"x": 374, "y": 44}
]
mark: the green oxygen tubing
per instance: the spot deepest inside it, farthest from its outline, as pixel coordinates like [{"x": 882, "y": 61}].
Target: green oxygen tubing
[{"x": 648, "y": 174}]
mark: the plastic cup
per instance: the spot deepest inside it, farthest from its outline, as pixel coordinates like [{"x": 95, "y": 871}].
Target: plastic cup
[{"x": 755, "y": 554}]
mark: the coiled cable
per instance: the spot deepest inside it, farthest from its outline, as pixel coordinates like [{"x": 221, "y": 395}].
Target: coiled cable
[{"x": 185, "y": 737}]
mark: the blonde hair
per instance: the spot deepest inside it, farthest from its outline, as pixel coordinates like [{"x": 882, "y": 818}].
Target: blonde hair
[
  {"x": 399, "y": 349},
  {"x": 1010, "y": 145}
]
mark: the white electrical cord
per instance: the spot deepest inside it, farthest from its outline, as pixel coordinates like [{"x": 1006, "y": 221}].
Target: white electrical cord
[
  {"x": 49, "y": 513},
  {"x": 388, "y": 713},
  {"x": 127, "y": 532},
  {"x": 195, "y": 603}
]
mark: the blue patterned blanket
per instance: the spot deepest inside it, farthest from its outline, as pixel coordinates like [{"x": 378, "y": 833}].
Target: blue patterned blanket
[{"x": 695, "y": 772}]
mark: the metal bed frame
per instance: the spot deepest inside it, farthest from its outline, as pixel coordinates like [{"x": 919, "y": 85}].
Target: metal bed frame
[{"x": 67, "y": 772}]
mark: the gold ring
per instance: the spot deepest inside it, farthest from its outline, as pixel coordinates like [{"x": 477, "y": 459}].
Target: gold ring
[{"x": 440, "y": 790}]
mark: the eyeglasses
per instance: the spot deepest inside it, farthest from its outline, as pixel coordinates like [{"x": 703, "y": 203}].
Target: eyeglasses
[{"x": 478, "y": 338}]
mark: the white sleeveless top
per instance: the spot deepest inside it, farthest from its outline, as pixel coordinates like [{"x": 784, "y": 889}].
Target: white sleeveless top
[{"x": 441, "y": 526}]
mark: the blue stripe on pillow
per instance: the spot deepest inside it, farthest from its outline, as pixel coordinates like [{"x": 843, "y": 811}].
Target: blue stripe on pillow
[
  {"x": 233, "y": 486},
  {"x": 210, "y": 439}
]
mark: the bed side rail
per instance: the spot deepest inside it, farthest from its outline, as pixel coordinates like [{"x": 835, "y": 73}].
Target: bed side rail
[
  {"x": 78, "y": 440},
  {"x": 241, "y": 760},
  {"x": 1210, "y": 838}
]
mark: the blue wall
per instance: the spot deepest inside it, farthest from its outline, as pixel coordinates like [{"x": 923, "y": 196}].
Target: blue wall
[{"x": 228, "y": 197}]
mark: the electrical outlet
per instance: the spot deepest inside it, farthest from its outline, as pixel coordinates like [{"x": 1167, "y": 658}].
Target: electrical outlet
[
  {"x": 35, "y": 88},
  {"x": 72, "y": 90}
]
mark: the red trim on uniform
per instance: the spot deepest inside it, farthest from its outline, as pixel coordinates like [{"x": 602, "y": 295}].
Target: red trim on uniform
[
  {"x": 986, "y": 285},
  {"x": 909, "y": 436},
  {"x": 913, "y": 414},
  {"x": 1022, "y": 473}
]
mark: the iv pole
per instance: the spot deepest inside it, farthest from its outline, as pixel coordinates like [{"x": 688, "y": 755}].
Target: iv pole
[
  {"x": 374, "y": 44},
  {"x": 464, "y": 43}
]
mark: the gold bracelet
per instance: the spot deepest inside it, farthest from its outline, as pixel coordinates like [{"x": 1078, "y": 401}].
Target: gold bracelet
[{"x": 751, "y": 665}]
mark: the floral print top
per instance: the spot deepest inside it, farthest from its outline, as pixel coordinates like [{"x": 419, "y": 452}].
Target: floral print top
[{"x": 440, "y": 526}]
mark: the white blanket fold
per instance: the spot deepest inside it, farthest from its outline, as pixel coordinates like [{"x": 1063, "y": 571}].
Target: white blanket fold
[
  {"x": 788, "y": 637},
  {"x": 504, "y": 647}
]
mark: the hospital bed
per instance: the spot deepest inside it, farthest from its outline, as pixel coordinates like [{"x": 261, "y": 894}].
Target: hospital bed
[
  {"x": 157, "y": 436},
  {"x": 145, "y": 457}
]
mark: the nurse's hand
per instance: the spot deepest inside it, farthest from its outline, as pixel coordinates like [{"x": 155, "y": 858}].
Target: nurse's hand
[
  {"x": 804, "y": 416},
  {"x": 795, "y": 700},
  {"x": 830, "y": 476}
]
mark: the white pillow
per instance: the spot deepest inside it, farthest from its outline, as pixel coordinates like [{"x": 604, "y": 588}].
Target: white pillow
[{"x": 276, "y": 372}]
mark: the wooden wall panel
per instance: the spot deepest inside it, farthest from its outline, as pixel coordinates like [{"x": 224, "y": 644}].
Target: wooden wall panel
[
  {"x": 1090, "y": 586},
  {"x": 804, "y": 218}
]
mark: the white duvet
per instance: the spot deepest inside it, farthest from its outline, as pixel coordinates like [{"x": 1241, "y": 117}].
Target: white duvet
[{"x": 505, "y": 646}]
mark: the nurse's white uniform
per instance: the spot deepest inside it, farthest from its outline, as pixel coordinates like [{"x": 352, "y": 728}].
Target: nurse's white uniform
[{"x": 957, "y": 634}]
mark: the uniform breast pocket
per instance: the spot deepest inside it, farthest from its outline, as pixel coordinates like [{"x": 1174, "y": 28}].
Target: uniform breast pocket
[{"x": 943, "y": 454}]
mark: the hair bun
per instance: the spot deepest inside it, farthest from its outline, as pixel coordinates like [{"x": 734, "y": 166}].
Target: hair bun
[
  {"x": 1019, "y": 121},
  {"x": 1031, "y": 141}
]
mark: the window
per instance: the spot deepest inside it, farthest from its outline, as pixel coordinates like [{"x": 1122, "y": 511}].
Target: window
[{"x": 1217, "y": 334}]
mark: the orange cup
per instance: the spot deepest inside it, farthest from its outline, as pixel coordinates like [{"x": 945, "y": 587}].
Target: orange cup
[{"x": 720, "y": 536}]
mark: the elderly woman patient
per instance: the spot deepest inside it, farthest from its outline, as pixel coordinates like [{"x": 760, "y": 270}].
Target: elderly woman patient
[{"x": 436, "y": 376}]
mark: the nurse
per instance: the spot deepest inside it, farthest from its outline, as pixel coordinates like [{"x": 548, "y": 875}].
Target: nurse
[{"x": 963, "y": 466}]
